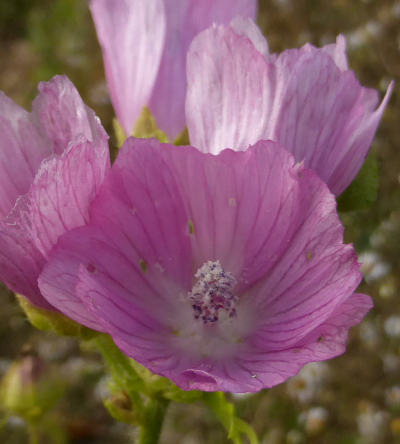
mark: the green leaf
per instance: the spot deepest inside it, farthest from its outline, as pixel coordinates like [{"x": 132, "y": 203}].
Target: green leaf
[
  {"x": 225, "y": 412},
  {"x": 147, "y": 128},
  {"x": 362, "y": 193}
]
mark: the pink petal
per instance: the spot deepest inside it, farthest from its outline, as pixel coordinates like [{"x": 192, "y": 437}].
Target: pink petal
[
  {"x": 50, "y": 193},
  {"x": 62, "y": 116},
  {"x": 131, "y": 34},
  {"x": 20, "y": 260},
  {"x": 22, "y": 148},
  {"x": 163, "y": 211},
  {"x": 246, "y": 27},
  {"x": 185, "y": 19},
  {"x": 338, "y": 52},
  {"x": 261, "y": 369},
  {"x": 304, "y": 99},
  {"x": 62, "y": 191},
  {"x": 229, "y": 96}
]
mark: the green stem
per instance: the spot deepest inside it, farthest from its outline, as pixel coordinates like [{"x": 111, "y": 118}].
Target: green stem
[
  {"x": 225, "y": 413},
  {"x": 121, "y": 369},
  {"x": 154, "y": 414},
  {"x": 33, "y": 434}
]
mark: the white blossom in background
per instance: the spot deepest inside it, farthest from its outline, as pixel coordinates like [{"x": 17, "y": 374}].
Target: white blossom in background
[
  {"x": 373, "y": 267},
  {"x": 371, "y": 425},
  {"x": 392, "y": 326},
  {"x": 308, "y": 384},
  {"x": 314, "y": 420}
]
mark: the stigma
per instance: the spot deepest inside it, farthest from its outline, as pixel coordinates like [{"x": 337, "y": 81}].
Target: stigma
[{"x": 212, "y": 296}]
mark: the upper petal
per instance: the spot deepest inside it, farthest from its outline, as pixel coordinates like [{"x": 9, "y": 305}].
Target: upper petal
[
  {"x": 304, "y": 99},
  {"x": 229, "y": 96},
  {"x": 185, "y": 19},
  {"x": 131, "y": 34}
]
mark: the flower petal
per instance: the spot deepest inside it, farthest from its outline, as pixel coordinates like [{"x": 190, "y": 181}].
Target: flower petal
[
  {"x": 22, "y": 148},
  {"x": 162, "y": 212},
  {"x": 303, "y": 99},
  {"x": 229, "y": 96},
  {"x": 338, "y": 52},
  {"x": 63, "y": 190},
  {"x": 184, "y": 21},
  {"x": 62, "y": 116},
  {"x": 131, "y": 34},
  {"x": 20, "y": 260},
  {"x": 59, "y": 158},
  {"x": 266, "y": 369},
  {"x": 140, "y": 235}
]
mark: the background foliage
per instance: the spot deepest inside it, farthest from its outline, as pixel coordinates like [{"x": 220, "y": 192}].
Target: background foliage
[{"x": 353, "y": 399}]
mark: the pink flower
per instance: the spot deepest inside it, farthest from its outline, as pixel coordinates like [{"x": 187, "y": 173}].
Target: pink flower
[
  {"x": 220, "y": 272},
  {"x": 52, "y": 162},
  {"x": 306, "y": 99},
  {"x": 144, "y": 46}
]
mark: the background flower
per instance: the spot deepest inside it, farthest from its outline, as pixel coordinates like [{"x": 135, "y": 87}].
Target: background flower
[{"x": 144, "y": 46}]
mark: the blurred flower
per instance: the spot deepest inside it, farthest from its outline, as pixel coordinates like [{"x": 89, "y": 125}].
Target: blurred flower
[
  {"x": 373, "y": 267},
  {"x": 144, "y": 46},
  {"x": 369, "y": 334},
  {"x": 52, "y": 162},
  {"x": 392, "y": 396},
  {"x": 222, "y": 272},
  {"x": 372, "y": 423},
  {"x": 308, "y": 384},
  {"x": 392, "y": 326},
  {"x": 306, "y": 99},
  {"x": 391, "y": 363},
  {"x": 314, "y": 420},
  {"x": 294, "y": 437}
]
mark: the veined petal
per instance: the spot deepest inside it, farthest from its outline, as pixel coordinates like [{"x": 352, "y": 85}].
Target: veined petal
[
  {"x": 338, "y": 52},
  {"x": 62, "y": 191},
  {"x": 269, "y": 228},
  {"x": 304, "y": 99},
  {"x": 60, "y": 158},
  {"x": 20, "y": 260},
  {"x": 262, "y": 369},
  {"x": 131, "y": 34},
  {"x": 246, "y": 27},
  {"x": 22, "y": 148},
  {"x": 62, "y": 116},
  {"x": 185, "y": 19},
  {"x": 229, "y": 96}
]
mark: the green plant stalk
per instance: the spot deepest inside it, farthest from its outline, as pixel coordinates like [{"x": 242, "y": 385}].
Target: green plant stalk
[
  {"x": 151, "y": 425},
  {"x": 225, "y": 413},
  {"x": 121, "y": 369}
]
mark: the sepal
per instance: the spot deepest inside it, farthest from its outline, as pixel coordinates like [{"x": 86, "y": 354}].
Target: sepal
[
  {"x": 146, "y": 127},
  {"x": 47, "y": 320}
]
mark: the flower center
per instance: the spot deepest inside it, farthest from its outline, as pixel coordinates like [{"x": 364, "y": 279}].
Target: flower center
[{"x": 211, "y": 296}]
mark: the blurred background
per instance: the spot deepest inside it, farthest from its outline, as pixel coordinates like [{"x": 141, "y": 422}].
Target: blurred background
[{"x": 354, "y": 399}]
